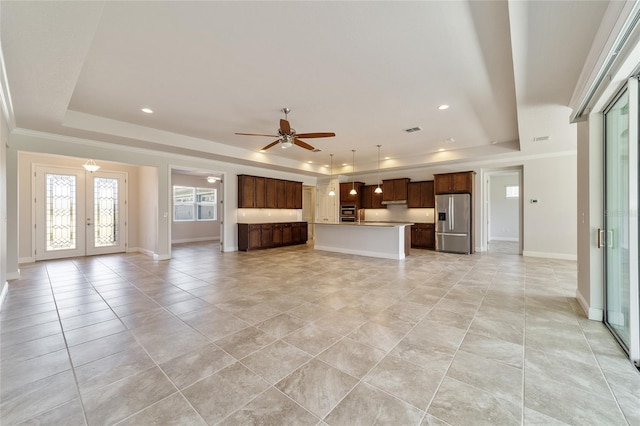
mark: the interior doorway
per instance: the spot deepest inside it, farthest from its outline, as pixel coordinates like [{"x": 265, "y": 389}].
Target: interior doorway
[
  {"x": 197, "y": 213},
  {"x": 503, "y": 211}
]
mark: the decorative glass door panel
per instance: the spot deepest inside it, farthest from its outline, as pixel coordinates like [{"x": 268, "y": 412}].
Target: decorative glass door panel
[
  {"x": 61, "y": 212},
  {"x": 105, "y": 212}
]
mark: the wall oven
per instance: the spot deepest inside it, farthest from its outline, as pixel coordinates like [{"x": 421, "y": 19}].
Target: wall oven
[{"x": 348, "y": 213}]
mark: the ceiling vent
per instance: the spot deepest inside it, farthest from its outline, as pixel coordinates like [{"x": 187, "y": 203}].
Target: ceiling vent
[
  {"x": 413, "y": 129},
  {"x": 541, "y": 138}
]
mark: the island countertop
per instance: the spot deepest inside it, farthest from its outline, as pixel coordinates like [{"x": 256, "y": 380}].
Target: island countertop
[
  {"x": 363, "y": 223},
  {"x": 390, "y": 240}
]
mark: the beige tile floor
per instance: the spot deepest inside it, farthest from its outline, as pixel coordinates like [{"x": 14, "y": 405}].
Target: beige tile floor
[{"x": 294, "y": 336}]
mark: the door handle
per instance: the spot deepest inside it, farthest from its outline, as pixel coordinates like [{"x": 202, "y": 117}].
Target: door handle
[{"x": 600, "y": 235}]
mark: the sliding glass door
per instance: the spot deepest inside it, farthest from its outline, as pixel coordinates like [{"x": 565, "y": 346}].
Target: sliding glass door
[{"x": 620, "y": 236}]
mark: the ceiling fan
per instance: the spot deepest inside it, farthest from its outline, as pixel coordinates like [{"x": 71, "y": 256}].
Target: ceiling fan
[{"x": 287, "y": 135}]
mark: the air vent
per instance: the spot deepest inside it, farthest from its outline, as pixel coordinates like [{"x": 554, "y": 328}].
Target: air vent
[
  {"x": 413, "y": 129},
  {"x": 317, "y": 150},
  {"x": 541, "y": 138}
]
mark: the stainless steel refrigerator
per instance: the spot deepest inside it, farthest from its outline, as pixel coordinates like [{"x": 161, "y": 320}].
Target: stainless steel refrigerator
[{"x": 453, "y": 223}]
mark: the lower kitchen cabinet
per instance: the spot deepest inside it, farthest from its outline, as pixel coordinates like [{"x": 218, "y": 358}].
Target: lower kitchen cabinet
[
  {"x": 253, "y": 236},
  {"x": 423, "y": 235}
]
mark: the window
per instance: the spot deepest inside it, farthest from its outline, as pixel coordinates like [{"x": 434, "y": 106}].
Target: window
[
  {"x": 191, "y": 204},
  {"x": 206, "y": 203},
  {"x": 512, "y": 191}
]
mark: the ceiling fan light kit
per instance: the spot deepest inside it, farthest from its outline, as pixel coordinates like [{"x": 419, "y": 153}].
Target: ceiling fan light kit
[{"x": 287, "y": 136}]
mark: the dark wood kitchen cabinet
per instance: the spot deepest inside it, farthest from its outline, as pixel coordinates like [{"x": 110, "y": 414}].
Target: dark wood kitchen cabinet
[
  {"x": 423, "y": 235},
  {"x": 260, "y": 192},
  {"x": 246, "y": 191},
  {"x": 281, "y": 194},
  {"x": 271, "y": 199},
  {"x": 454, "y": 183},
  {"x": 267, "y": 235},
  {"x": 371, "y": 200},
  {"x": 421, "y": 195},
  {"x": 346, "y": 198},
  {"x": 395, "y": 190}
]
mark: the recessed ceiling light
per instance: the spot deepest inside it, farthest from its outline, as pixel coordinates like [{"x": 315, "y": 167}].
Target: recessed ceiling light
[
  {"x": 262, "y": 150},
  {"x": 326, "y": 165},
  {"x": 310, "y": 162},
  {"x": 443, "y": 107},
  {"x": 147, "y": 110},
  {"x": 441, "y": 150},
  {"x": 387, "y": 158},
  {"x": 344, "y": 164}
]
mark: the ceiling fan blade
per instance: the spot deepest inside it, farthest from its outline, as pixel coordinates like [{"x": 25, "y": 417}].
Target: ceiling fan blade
[
  {"x": 303, "y": 144},
  {"x": 285, "y": 128},
  {"x": 270, "y": 145},
  {"x": 317, "y": 135},
  {"x": 256, "y": 134}
]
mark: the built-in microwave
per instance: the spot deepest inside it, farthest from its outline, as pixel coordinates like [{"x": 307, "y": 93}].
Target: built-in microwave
[{"x": 348, "y": 213}]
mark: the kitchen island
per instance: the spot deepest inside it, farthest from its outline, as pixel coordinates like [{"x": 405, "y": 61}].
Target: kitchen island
[{"x": 389, "y": 240}]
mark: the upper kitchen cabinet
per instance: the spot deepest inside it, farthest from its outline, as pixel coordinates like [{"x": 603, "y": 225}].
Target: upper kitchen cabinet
[
  {"x": 421, "y": 195},
  {"x": 246, "y": 191},
  {"x": 371, "y": 200},
  {"x": 346, "y": 197},
  {"x": 454, "y": 183},
  {"x": 271, "y": 201},
  {"x": 260, "y": 192},
  {"x": 395, "y": 190}
]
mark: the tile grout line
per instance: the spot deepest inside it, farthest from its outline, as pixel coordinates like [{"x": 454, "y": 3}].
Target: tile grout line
[{"x": 66, "y": 344}]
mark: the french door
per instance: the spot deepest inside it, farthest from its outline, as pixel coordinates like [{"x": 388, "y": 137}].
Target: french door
[
  {"x": 620, "y": 236},
  {"x": 78, "y": 213}
]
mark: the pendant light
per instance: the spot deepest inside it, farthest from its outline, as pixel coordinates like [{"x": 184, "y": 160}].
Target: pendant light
[
  {"x": 378, "y": 190},
  {"x": 332, "y": 193},
  {"x": 91, "y": 166},
  {"x": 353, "y": 170}
]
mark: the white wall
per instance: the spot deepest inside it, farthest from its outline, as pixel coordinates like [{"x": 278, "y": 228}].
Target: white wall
[
  {"x": 182, "y": 232},
  {"x": 549, "y": 226},
  {"x": 503, "y": 212},
  {"x": 4, "y": 140},
  {"x": 148, "y": 210}
]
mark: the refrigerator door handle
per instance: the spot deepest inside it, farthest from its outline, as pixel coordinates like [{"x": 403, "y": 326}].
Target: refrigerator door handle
[{"x": 452, "y": 223}]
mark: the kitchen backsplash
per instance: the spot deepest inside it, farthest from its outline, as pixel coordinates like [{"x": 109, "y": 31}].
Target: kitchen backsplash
[
  {"x": 399, "y": 213},
  {"x": 268, "y": 215}
]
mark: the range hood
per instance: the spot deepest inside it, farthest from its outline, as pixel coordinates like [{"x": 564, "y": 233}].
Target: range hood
[{"x": 395, "y": 202}]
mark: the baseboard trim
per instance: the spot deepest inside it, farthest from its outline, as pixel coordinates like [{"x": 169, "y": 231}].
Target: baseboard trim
[
  {"x": 195, "y": 240},
  {"x": 229, "y": 249},
  {"x": 5, "y": 290},
  {"x": 545, "y": 255},
  {"x": 13, "y": 275},
  {"x": 508, "y": 239},
  {"x": 593, "y": 314},
  {"x": 161, "y": 256},
  {"x": 23, "y": 260}
]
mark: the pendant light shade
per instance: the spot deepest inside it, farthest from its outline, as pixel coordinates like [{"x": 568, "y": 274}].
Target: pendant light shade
[
  {"x": 353, "y": 170},
  {"x": 91, "y": 166},
  {"x": 378, "y": 190},
  {"x": 332, "y": 193}
]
